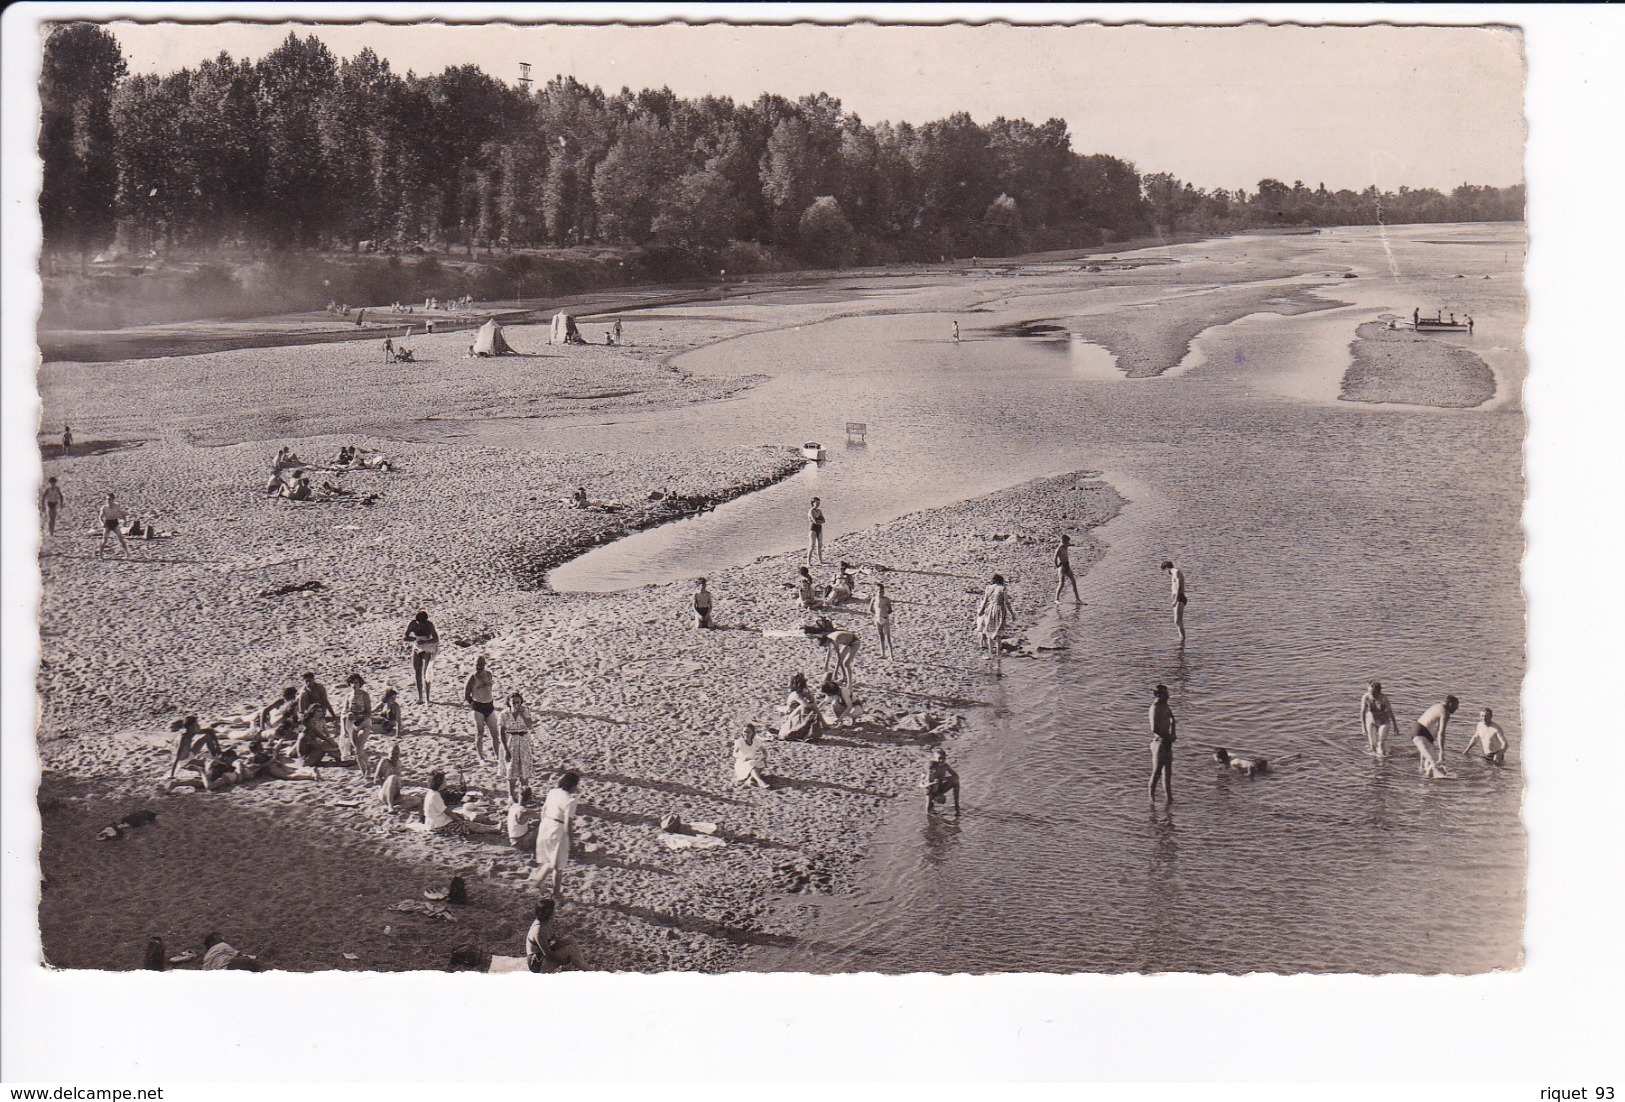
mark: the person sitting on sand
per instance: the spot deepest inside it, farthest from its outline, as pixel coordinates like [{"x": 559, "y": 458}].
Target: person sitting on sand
[
  {"x": 841, "y": 586},
  {"x": 1429, "y": 736},
  {"x": 386, "y": 778},
  {"x": 517, "y": 724},
  {"x": 842, "y": 704},
  {"x": 1245, "y": 763},
  {"x": 217, "y": 773},
  {"x": 279, "y": 717},
  {"x": 806, "y": 589},
  {"x": 545, "y": 949},
  {"x": 346, "y": 457},
  {"x": 1488, "y": 735},
  {"x": 750, "y": 759},
  {"x": 578, "y": 500},
  {"x": 295, "y": 488},
  {"x": 1376, "y": 719},
  {"x": 313, "y": 746},
  {"x": 439, "y": 818},
  {"x": 285, "y": 458},
  {"x": 802, "y": 720},
  {"x": 702, "y": 604},
  {"x": 190, "y": 740},
  {"x": 265, "y": 762},
  {"x": 940, "y": 780},
  {"x": 217, "y": 954},
  {"x": 521, "y": 826},
  {"x": 386, "y": 717}
]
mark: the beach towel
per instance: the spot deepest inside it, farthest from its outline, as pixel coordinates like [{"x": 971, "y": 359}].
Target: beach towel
[{"x": 690, "y": 841}]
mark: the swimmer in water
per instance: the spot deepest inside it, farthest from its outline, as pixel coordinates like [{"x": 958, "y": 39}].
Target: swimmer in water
[
  {"x": 1180, "y": 600},
  {"x": 1489, "y": 735},
  {"x": 1429, "y": 736},
  {"x": 1376, "y": 719},
  {"x": 1246, "y": 763},
  {"x": 1162, "y": 743},
  {"x": 1063, "y": 569}
]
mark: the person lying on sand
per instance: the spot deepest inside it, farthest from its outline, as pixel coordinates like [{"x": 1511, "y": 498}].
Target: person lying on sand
[
  {"x": 191, "y": 740},
  {"x": 940, "y": 780},
  {"x": 295, "y": 488},
  {"x": 265, "y": 762},
  {"x": 217, "y": 954},
  {"x": 750, "y": 759},
  {"x": 218, "y": 772},
  {"x": 545, "y": 949},
  {"x": 1249, "y": 764}
]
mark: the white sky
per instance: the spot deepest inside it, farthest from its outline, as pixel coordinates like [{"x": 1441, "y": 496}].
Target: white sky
[{"x": 1219, "y": 107}]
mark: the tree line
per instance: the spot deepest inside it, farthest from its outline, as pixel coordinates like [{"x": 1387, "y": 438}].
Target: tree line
[{"x": 304, "y": 150}]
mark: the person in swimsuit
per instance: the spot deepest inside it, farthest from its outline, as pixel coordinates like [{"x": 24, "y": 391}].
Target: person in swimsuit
[
  {"x": 840, "y": 648},
  {"x": 1244, "y": 763},
  {"x": 1163, "y": 729},
  {"x": 940, "y": 780},
  {"x": 1429, "y": 736},
  {"x": 880, "y": 608},
  {"x": 1063, "y": 569},
  {"x": 355, "y": 721},
  {"x": 51, "y": 502},
  {"x": 477, "y": 694},
  {"x": 425, "y": 641},
  {"x": 1488, "y": 734},
  {"x": 815, "y": 542},
  {"x": 842, "y": 585},
  {"x": 702, "y": 604},
  {"x": 67, "y": 438},
  {"x": 111, "y": 514},
  {"x": 1376, "y": 720},
  {"x": 617, "y": 330},
  {"x": 806, "y": 589},
  {"x": 387, "y": 716},
  {"x": 1177, "y": 577},
  {"x": 956, "y": 331},
  {"x": 190, "y": 740}
]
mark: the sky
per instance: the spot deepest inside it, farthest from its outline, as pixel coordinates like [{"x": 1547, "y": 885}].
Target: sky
[{"x": 1216, "y": 106}]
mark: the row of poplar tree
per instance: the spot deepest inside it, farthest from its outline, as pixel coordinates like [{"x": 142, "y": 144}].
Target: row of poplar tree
[{"x": 305, "y": 150}]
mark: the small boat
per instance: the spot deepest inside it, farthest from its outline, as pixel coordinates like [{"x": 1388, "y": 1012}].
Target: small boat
[
  {"x": 812, "y": 451},
  {"x": 1439, "y": 324}
]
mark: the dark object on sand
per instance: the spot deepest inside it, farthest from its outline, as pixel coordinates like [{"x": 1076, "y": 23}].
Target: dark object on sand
[
  {"x": 458, "y": 891},
  {"x": 311, "y": 586},
  {"x": 155, "y": 959},
  {"x": 134, "y": 819},
  {"x": 469, "y": 958}
]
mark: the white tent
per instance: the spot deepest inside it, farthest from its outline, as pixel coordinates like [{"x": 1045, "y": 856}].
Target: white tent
[{"x": 489, "y": 341}]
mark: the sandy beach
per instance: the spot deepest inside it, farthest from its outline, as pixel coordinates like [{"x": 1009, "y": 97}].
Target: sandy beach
[{"x": 250, "y": 590}]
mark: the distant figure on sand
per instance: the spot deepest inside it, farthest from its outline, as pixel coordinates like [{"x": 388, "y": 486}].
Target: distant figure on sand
[
  {"x": 880, "y": 608},
  {"x": 51, "y": 501},
  {"x": 815, "y": 541},
  {"x": 477, "y": 694},
  {"x": 112, "y": 513},
  {"x": 389, "y": 350},
  {"x": 425, "y": 643},
  {"x": 1163, "y": 730},
  {"x": 1376, "y": 720},
  {"x": 940, "y": 780},
  {"x": 995, "y": 616},
  {"x": 67, "y": 437},
  {"x": 579, "y": 500},
  {"x": 1488, "y": 735},
  {"x": 702, "y": 604},
  {"x": 750, "y": 759},
  {"x": 956, "y": 331},
  {"x": 1063, "y": 569},
  {"x": 1244, "y": 763},
  {"x": 1429, "y": 736},
  {"x": 1177, "y": 583},
  {"x": 553, "y": 834},
  {"x": 617, "y": 330}
]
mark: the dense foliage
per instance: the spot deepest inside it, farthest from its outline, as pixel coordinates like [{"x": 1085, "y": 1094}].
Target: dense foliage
[{"x": 305, "y": 150}]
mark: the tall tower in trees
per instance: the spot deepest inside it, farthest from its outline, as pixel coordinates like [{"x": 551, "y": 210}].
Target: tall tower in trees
[{"x": 524, "y": 77}]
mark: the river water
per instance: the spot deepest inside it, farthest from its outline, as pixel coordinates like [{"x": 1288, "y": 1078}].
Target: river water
[{"x": 1324, "y": 543}]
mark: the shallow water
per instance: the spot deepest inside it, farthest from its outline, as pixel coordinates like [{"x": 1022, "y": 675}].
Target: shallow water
[{"x": 1324, "y": 543}]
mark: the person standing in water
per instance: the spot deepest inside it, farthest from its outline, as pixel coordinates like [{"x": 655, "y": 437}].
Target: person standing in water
[
  {"x": 1429, "y": 736},
  {"x": 51, "y": 502},
  {"x": 1376, "y": 720},
  {"x": 880, "y": 607},
  {"x": 940, "y": 780},
  {"x": 1063, "y": 569},
  {"x": 1162, "y": 743},
  {"x": 994, "y": 616},
  {"x": 1489, "y": 735},
  {"x": 1177, "y": 577},
  {"x": 425, "y": 642},
  {"x": 815, "y": 541},
  {"x": 479, "y": 696},
  {"x": 112, "y": 513}
]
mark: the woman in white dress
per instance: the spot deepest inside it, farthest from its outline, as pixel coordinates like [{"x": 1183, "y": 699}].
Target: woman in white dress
[
  {"x": 994, "y": 616},
  {"x": 517, "y": 725},
  {"x": 750, "y": 759},
  {"x": 553, "y": 833}
]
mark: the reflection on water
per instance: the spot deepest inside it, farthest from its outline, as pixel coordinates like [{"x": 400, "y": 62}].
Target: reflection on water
[{"x": 1325, "y": 543}]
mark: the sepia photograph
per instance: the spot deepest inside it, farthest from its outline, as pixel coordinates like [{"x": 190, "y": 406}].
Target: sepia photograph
[{"x": 616, "y": 496}]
